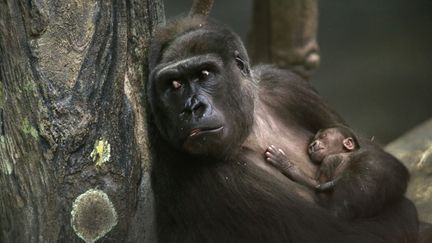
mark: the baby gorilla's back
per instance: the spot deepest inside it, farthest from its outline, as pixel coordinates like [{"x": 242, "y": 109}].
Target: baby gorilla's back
[{"x": 372, "y": 180}]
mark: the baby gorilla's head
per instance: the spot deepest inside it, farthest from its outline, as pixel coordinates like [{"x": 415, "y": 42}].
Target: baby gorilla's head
[{"x": 330, "y": 141}]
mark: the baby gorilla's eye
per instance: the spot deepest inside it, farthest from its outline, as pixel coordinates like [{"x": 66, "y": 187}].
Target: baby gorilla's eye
[
  {"x": 203, "y": 75},
  {"x": 176, "y": 84}
]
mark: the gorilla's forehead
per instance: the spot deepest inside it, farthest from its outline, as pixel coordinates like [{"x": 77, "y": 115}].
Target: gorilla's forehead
[{"x": 198, "y": 42}]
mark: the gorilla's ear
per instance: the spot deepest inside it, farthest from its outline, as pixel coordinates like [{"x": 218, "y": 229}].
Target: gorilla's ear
[
  {"x": 349, "y": 144},
  {"x": 242, "y": 64}
]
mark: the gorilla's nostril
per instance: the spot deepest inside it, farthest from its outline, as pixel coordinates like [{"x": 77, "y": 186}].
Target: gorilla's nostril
[
  {"x": 199, "y": 110},
  {"x": 195, "y": 106}
]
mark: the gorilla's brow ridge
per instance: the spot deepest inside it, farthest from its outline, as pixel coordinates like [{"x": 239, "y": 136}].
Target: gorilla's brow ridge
[{"x": 207, "y": 58}]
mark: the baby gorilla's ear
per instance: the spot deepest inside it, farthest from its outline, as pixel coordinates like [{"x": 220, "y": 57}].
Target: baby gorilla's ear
[{"x": 349, "y": 144}]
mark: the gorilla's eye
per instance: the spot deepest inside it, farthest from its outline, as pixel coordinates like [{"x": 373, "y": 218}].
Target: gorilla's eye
[
  {"x": 176, "y": 84},
  {"x": 203, "y": 75}
]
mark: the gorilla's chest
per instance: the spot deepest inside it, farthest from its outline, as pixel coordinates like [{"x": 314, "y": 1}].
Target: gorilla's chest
[{"x": 288, "y": 136}]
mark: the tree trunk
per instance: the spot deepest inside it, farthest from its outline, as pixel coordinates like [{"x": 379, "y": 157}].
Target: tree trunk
[{"x": 73, "y": 157}]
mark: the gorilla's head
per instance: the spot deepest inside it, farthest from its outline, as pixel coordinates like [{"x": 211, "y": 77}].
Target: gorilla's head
[{"x": 200, "y": 90}]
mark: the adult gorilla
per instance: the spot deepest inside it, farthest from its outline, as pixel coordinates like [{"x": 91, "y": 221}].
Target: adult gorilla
[{"x": 210, "y": 120}]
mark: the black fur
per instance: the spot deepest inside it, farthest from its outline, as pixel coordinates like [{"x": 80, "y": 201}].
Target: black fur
[
  {"x": 214, "y": 190},
  {"x": 372, "y": 181}
]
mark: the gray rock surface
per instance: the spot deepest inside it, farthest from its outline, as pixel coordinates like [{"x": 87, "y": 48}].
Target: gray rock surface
[{"x": 414, "y": 149}]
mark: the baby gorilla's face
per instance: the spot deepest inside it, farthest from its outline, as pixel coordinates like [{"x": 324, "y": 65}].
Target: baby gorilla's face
[{"x": 326, "y": 142}]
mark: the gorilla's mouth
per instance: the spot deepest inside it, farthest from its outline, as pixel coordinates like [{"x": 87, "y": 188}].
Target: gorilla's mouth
[
  {"x": 313, "y": 150},
  {"x": 198, "y": 131},
  {"x": 204, "y": 140}
]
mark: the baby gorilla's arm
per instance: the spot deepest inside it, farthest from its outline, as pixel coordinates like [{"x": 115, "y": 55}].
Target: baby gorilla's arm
[{"x": 276, "y": 157}]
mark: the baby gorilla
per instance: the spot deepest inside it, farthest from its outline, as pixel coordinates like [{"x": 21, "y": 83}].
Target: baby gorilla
[
  {"x": 358, "y": 181},
  {"x": 331, "y": 149}
]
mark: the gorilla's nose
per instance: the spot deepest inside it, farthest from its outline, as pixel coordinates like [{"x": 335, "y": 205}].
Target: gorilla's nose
[
  {"x": 312, "y": 146},
  {"x": 195, "y": 106}
]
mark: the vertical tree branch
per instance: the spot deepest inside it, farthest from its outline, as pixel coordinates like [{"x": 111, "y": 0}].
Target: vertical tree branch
[
  {"x": 285, "y": 33},
  {"x": 201, "y": 7}
]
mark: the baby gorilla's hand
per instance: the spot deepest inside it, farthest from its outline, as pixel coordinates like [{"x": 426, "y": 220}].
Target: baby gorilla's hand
[{"x": 276, "y": 157}]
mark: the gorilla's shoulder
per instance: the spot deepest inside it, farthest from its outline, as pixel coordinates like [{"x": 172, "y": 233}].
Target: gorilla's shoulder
[{"x": 271, "y": 77}]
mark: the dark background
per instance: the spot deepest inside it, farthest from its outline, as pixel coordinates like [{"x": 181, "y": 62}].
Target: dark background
[{"x": 376, "y": 68}]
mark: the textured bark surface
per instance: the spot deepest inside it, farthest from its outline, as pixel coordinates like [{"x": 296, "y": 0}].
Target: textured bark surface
[
  {"x": 285, "y": 33},
  {"x": 415, "y": 150},
  {"x": 72, "y": 120}
]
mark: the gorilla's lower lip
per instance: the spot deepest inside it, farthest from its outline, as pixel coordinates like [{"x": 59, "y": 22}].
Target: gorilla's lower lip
[{"x": 197, "y": 131}]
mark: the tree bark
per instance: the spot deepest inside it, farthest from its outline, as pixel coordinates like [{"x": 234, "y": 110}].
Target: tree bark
[
  {"x": 285, "y": 33},
  {"x": 73, "y": 157}
]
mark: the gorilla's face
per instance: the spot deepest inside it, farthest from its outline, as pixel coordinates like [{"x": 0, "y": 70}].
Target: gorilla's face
[{"x": 199, "y": 99}]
